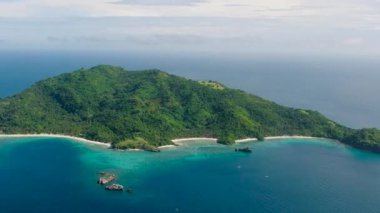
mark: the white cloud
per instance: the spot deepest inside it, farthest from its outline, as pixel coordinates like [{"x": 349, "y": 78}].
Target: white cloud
[
  {"x": 350, "y": 9},
  {"x": 294, "y": 25},
  {"x": 160, "y": 2},
  {"x": 354, "y": 41}
]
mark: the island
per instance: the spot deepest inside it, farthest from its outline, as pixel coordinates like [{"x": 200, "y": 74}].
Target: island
[{"x": 150, "y": 108}]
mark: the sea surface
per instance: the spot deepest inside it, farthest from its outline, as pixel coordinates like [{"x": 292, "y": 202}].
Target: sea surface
[
  {"x": 41, "y": 175},
  {"x": 291, "y": 175},
  {"x": 345, "y": 89}
]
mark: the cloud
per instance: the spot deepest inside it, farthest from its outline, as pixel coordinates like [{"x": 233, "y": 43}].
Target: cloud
[
  {"x": 160, "y": 2},
  {"x": 236, "y": 5},
  {"x": 164, "y": 39},
  {"x": 288, "y": 25},
  {"x": 353, "y": 41},
  {"x": 57, "y": 39}
]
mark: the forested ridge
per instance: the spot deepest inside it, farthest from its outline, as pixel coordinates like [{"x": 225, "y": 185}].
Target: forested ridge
[{"x": 142, "y": 109}]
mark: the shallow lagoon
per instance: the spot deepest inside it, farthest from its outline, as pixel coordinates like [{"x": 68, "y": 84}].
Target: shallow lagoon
[{"x": 292, "y": 175}]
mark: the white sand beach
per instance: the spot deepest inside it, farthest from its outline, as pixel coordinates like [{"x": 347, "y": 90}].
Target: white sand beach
[
  {"x": 177, "y": 142},
  {"x": 180, "y": 141},
  {"x": 134, "y": 150},
  {"x": 246, "y": 140},
  {"x": 56, "y": 136},
  {"x": 288, "y": 137},
  {"x": 166, "y": 146},
  {"x": 275, "y": 138}
]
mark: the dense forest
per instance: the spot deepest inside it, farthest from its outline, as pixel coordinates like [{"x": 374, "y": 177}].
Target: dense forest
[{"x": 143, "y": 109}]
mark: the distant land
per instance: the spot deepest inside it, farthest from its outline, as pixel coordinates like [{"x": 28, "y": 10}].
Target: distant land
[{"x": 146, "y": 109}]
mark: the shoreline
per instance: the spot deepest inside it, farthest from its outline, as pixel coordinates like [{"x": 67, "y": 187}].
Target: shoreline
[
  {"x": 245, "y": 140},
  {"x": 176, "y": 142},
  {"x": 289, "y": 137},
  {"x": 78, "y": 139},
  {"x": 181, "y": 141},
  {"x": 167, "y": 146}
]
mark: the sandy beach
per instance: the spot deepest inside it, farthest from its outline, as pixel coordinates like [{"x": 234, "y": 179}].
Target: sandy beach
[
  {"x": 166, "y": 146},
  {"x": 245, "y": 140},
  {"x": 275, "y": 137},
  {"x": 288, "y": 137},
  {"x": 177, "y": 142},
  {"x": 180, "y": 141},
  {"x": 57, "y": 136}
]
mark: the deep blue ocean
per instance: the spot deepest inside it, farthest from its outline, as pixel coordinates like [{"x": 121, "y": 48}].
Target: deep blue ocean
[
  {"x": 344, "y": 89},
  {"x": 57, "y": 175}
]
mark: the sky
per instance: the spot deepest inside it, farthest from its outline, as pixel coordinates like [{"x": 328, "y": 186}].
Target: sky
[{"x": 234, "y": 26}]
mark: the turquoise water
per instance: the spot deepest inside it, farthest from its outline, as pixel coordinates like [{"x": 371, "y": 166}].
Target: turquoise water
[{"x": 57, "y": 175}]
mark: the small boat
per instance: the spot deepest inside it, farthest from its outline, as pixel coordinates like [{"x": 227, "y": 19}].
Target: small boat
[
  {"x": 115, "y": 187},
  {"x": 246, "y": 149}
]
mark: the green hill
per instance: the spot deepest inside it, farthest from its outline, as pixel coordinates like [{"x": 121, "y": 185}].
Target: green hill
[{"x": 149, "y": 108}]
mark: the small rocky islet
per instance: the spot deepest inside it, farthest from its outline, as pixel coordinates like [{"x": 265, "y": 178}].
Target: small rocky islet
[{"x": 107, "y": 179}]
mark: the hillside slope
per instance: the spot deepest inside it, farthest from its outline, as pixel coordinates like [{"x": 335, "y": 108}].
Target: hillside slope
[{"x": 149, "y": 108}]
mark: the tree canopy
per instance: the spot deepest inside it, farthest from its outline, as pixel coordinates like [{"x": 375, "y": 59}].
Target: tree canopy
[{"x": 151, "y": 107}]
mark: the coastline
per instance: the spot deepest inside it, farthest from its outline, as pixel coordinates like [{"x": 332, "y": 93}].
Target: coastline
[
  {"x": 166, "y": 146},
  {"x": 288, "y": 137},
  {"x": 78, "y": 139},
  {"x": 181, "y": 141},
  {"x": 245, "y": 140},
  {"x": 177, "y": 141}
]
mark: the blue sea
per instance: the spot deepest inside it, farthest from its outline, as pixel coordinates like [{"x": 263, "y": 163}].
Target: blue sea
[
  {"x": 343, "y": 88},
  {"x": 288, "y": 175},
  {"x": 57, "y": 175}
]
